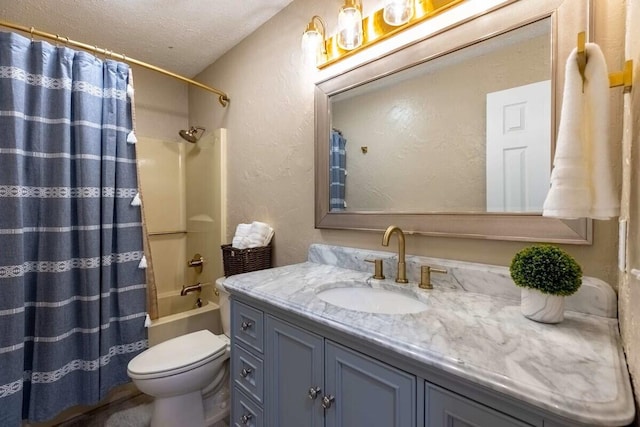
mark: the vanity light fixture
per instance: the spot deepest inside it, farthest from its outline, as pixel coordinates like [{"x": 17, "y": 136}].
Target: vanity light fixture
[
  {"x": 356, "y": 33},
  {"x": 398, "y": 12},
  {"x": 350, "y": 34},
  {"x": 314, "y": 47}
]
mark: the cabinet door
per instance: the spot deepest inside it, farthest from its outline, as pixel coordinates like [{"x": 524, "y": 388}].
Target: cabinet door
[
  {"x": 366, "y": 392},
  {"x": 446, "y": 409},
  {"x": 295, "y": 364}
]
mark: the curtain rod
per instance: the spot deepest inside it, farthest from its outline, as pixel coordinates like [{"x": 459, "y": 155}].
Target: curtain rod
[{"x": 223, "y": 98}]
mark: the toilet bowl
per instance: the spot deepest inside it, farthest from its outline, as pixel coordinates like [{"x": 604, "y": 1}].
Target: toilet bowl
[{"x": 177, "y": 372}]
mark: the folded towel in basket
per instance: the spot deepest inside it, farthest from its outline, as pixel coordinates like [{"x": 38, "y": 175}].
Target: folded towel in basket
[
  {"x": 260, "y": 234},
  {"x": 252, "y": 235}
]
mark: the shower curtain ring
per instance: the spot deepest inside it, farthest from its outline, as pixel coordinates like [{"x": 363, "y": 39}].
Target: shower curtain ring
[
  {"x": 57, "y": 40},
  {"x": 31, "y": 31},
  {"x": 66, "y": 43}
]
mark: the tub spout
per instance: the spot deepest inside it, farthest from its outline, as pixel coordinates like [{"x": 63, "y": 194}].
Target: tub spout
[{"x": 190, "y": 288}]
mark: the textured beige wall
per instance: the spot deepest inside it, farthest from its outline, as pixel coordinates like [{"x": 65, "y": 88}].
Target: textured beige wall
[
  {"x": 629, "y": 294},
  {"x": 409, "y": 128},
  {"x": 270, "y": 145}
]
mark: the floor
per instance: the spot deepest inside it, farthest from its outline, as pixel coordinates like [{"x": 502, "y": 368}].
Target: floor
[{"x": 132, "y": 412}]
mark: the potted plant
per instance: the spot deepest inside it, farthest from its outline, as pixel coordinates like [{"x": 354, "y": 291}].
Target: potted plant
[{"x": 546, "y": 275}]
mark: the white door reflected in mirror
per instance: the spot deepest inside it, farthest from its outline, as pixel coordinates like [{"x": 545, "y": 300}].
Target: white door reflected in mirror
[{"x": 518, "y": 149}]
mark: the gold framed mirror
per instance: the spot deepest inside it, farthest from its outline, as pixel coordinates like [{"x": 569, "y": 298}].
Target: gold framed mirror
[{"x": 445, "y": 210}]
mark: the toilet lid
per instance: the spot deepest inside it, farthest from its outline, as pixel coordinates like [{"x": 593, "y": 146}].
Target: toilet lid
[{"x": 178, "y": 353}]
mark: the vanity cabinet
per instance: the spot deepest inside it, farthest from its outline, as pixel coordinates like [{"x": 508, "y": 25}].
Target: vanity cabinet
[
  {"x": 316, "y": 382},
  {"x": 443, "y": 408},
  {"x": 295, "y": 378},
  {"x": 284, "y": 375}
]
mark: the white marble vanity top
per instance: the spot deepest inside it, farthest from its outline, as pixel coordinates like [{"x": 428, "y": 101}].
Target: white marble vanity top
[{"x": 472, "y": 328}]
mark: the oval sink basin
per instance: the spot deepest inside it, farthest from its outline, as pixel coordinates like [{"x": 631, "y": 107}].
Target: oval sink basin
[{"x": 372, "y": 300}]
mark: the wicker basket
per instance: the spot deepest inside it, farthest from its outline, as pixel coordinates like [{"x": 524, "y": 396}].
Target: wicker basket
[{"x": 238, "y": 261}]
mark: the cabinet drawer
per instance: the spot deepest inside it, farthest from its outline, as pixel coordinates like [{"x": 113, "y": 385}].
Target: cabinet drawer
[
  {"x": 247, "y": 325},
  {"x": 248, "y": 372},
  {"x": 244, "y": 412}
]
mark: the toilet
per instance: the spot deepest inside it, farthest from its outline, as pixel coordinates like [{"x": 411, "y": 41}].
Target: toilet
[{"x": 178, "y": 372}]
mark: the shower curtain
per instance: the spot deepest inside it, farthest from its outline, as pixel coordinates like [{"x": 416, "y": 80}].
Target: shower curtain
[
  {"x": 72, "y": 295},
  {"x": 337, "y": 170}
]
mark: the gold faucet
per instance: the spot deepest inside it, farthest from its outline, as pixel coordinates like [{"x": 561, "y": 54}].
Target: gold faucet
[{"x": 401, "y": 277}]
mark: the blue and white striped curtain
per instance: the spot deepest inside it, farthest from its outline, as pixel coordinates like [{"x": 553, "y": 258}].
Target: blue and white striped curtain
[
  {"x": 337, "y": 171},
  {"x": 72, "y": 295}
]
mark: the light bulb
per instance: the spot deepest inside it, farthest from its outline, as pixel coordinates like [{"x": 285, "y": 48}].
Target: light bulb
[
  {"x": 311, "y": 48},
  {"x": 349, "y": 27},
  {"x": 397, "y": 12}
]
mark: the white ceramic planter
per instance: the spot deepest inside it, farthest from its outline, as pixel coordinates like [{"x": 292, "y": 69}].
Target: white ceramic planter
[{"x": 541, "y": 307}]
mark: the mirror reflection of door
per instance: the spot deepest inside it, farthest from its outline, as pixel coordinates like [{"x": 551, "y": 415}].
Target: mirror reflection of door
[{"x": 518, "y": 149}]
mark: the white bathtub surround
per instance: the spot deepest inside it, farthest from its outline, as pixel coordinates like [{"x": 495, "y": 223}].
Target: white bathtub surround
[
  {"x": 472, "y": 329},
  {"x": 541, "y": 307},
  {"x": 178, "y": 316}
]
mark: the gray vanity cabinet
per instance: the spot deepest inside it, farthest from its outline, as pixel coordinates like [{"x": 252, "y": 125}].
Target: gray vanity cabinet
[
  {"x": 287, "y": 376},
  {"x": 315, "y": 382},
  {"x": 367, "y": 392},
  {"x": 443, "y": 408},
  {"x": 295, "y": 375}
]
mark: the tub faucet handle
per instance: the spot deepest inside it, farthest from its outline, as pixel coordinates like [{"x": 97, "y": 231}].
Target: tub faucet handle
[{"x": 196, "y": 262}]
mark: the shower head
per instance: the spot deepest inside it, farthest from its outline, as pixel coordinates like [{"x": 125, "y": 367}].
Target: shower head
[{"x": 192, "y": 135}]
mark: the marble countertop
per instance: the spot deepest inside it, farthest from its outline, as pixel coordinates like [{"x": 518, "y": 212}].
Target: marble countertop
[{"x": 575, "y": 369}]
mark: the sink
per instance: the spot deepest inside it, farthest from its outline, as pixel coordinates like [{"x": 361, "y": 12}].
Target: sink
[{"x": 372, "y": 300}]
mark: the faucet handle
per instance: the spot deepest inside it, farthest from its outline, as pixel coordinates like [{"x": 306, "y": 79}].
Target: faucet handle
[
  {"x": 377, "y": 274},
  {"x": 425, "y": 275}
]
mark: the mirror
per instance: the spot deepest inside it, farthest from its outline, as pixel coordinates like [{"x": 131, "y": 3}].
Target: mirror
[
  {"x": 452, "y": 135},
  {"x": 403, "y": 125}
]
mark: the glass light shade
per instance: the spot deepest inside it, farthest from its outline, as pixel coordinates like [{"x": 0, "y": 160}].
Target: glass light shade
[
  {"x": 311, "y": 48},
  {"x": 397, "y": 12},
  {"x": 349, "y": 28}
]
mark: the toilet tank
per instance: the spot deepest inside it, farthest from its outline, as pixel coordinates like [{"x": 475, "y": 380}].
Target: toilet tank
[{"x": 225, "y": 308}]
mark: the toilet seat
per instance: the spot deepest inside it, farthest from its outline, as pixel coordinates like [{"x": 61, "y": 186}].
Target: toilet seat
[{"x": 177, "y": 355}]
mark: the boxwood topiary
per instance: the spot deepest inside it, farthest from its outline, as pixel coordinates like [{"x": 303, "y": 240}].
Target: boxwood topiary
[{"x": 546, "y": 268}]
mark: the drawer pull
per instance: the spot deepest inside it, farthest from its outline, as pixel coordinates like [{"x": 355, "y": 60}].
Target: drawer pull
[
  {"x": 245, "y": 419},
  {"x": 327, "y": 401},
  {"x": 246, "y": 325},
  {"x": 313, "y": 392},
  {"x": 245, "y": 372}
]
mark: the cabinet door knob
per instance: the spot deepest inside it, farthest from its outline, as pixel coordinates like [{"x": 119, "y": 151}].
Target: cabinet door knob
[
  {"x": 327, "y": 400},
  {"x": 313, "y": 392},
  {"x": 245, "y": 419},
  {"x": 246, "y": 325},
  {"x": 245, "y": 372}
]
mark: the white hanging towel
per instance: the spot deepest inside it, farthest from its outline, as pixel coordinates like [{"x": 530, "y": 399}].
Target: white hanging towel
[{"x": 582, "y": 184}]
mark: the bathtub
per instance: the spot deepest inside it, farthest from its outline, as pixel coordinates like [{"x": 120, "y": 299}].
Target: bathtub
[{"x": 179, "y": 315}]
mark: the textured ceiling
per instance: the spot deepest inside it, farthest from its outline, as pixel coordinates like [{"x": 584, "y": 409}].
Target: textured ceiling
[{"x": 183, "y": 36}]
